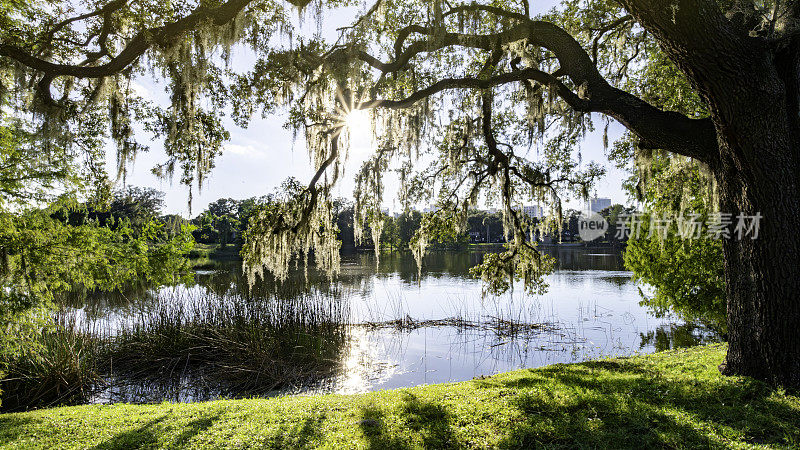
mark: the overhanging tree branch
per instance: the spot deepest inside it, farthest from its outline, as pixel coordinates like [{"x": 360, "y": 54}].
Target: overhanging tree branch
[
  {"x": 136, "y": 47},
  {"x": 667, "y": 130},
  {"x": 106, "y": 11},
  {"x": 477, "y": 83}
]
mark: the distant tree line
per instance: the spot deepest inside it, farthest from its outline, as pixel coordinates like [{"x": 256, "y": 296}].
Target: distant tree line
[{"x": 225, "y": 221}]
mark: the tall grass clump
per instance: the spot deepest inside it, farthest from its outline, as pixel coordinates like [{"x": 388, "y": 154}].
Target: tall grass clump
[
  {"x": 179, "y": 344},
  {"x": 229, "y": 345},
  {"x": 57, "y": 365}
]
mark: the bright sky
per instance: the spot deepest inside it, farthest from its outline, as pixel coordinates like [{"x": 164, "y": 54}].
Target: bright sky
[{"x": 257, "y": 159}]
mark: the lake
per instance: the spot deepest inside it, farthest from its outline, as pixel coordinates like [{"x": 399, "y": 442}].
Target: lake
[{"x": 383, "y": 326}]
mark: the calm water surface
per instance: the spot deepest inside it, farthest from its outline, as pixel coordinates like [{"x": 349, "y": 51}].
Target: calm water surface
[{"x": 590, "y": 310}]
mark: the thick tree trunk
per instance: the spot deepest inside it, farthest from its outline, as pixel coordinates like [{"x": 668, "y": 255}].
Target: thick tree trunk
[
  {"x": 752, "y": 88},
  {"x": 758, "y": 171},
  {"x": 763, "y": 277}
]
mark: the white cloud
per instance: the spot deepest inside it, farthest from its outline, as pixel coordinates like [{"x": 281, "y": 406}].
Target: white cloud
[{"x": 247, "y": 151}]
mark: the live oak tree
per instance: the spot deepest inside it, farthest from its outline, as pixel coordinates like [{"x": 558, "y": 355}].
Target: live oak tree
[{"x": 495, "y": 99}]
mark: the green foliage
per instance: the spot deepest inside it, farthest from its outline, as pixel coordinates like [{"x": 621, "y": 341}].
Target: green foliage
[
  {"x": 442, "y": 228},
  {"x": 526, "y": 264},
  {"x": 68, "y": 246},
  {"x": 687, "y": 277},
  {"x": 28, "y": 172},
  {"x": 475, "y": 143},
  {"x": 43, "y": 256},
  {"x": 686, "y": 273},
  {"x": 407, "y": 225},
  {"x": 488, "y": 225},
  {"x": 225, "y": 221},
  {"x": 135, "y": 205},
  {"x": 296, "y": 222}
]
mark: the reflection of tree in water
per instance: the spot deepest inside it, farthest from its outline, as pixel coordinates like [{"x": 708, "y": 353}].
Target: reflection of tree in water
[
  {"x": 586, "y": 258},
  {"x": 358, "y": 269},
  {"x": 618, "y": 281},
  {"x": 258, "y": 332},
  {"x": 97, "y": 304},
  {"x": 457, "y": 264},
  {"x": 672, "y": 336},
  {"x": 436, "y": 264},
  {"x": 229, "y": 279}
]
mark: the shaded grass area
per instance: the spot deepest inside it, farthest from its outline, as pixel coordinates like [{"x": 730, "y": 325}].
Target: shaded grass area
[{"x": 670, "y": 399}]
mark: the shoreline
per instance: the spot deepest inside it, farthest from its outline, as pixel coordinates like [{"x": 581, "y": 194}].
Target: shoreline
[{"x": 675, "y": 398}]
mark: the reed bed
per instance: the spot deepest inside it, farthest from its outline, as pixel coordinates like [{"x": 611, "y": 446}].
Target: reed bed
[
  {"x": 58, "y": 367},
  {"x": 216, "y": 341},
  {"x": 181, "y": 344},
  {"x": 236, "y": 346}
]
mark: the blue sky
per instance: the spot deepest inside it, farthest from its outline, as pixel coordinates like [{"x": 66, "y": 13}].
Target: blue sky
[{"x": 257, "y": 159}]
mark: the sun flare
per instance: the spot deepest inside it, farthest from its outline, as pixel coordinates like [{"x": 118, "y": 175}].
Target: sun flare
[{"x": 358, "y": 121}]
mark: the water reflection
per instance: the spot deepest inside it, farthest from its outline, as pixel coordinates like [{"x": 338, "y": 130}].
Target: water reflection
[
  {"x": 591, "y": 310},
  {"x": 673, "y": 336},
  {"x": 581, "y": 258}
]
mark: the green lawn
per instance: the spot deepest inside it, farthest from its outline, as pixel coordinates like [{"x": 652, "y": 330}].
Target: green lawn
[{"x": 670, "y": 399}]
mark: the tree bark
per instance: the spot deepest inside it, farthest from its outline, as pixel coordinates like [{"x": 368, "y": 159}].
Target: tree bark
[
  {"x": 763, "y": 275},
  {"x": 758, "y": 171},
  {"x": 751, "y": 86}
]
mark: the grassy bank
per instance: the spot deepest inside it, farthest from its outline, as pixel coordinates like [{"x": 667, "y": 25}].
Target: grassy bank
[{"x": 671, "y": 399}]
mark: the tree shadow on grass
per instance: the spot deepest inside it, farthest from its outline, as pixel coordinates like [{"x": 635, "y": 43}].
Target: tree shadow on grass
[
  {"x": 12, "y": 427},
  {"x": 143, "y": 437},
  {"x": 148, "y": 434},
  {"x": 627, "y": 405},
  {"x": 430, "y": 421},
  {"x": 301, "y": 435},
  {"x": 194, "y": 428}
]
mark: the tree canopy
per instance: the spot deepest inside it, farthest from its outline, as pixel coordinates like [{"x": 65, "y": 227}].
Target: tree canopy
[{"x": 496, "y": 97}]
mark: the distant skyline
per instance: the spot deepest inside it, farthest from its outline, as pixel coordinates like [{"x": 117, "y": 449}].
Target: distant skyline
[
  {"x": 257, "y": 159},
  {"x": 597, "y": 204}
]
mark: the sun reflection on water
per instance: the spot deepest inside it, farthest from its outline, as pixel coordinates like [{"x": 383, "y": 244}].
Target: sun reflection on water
[{"x": 365, "y": 365}]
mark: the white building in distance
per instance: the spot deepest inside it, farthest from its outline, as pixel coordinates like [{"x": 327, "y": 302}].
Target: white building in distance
[
  {"x": 597, "y": 204},
  {"x": 532, "y": 211}
]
